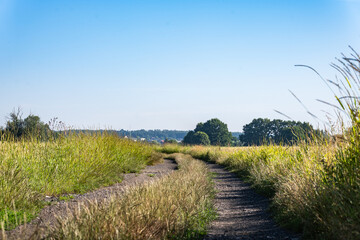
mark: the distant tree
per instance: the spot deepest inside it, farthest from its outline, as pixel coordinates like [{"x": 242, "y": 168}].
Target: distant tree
[
  {"x": 15, "y": 124},
  {"x": 170, "y": 141},
  {"x": 157, "y": 135},
  {"x": 216, "y": 130},
  {"x": 235, "y": 141},
  {"x": 2, "y": 131},
  {"x": 256, "y": 132},
  {"x": 262, "y": 130},
  {"x": 196, "y": 138},
  {"x": 30, "y": 126},
  {"x": 201, "y": 138},
  {"x": 189, "y": 138}
]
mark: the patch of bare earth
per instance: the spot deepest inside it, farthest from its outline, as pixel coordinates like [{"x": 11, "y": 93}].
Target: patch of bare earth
[
  {"x": 40, "y": 227},
  {"x": 242, "y": 213}
]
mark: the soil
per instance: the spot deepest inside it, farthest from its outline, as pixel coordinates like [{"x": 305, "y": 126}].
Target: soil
[
  {"x": 242, "y": 213},
  {"x": 39, "y": 227}
]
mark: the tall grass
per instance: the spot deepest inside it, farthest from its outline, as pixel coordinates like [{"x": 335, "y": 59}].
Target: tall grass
[
  {"x": 178, "y": 206},
  {"x": 290, "y": 176},
  {"x": 32, "y": 169},
  {"x": 315, "y": 186}
]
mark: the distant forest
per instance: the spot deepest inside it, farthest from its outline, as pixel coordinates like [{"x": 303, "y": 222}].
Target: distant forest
[
  {"x": 158, "y": 135},
  {"x": 154, "y": 135}
]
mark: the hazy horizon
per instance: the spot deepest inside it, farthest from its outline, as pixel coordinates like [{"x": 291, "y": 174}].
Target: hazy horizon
[{"x": 171, "y": 64}]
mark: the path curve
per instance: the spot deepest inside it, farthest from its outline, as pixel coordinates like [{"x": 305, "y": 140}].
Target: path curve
[
  {"x": 242, "y": 213},
  {"x": 38, "y": 228}
]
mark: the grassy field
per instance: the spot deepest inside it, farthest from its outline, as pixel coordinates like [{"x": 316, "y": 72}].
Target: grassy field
[
  {"x": 314, "y": 187},
  {"x": 76, "y": 163},
  {"x": 178, "y": 206}
]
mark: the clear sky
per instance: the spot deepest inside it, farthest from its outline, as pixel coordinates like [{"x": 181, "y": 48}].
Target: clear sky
[{"x": 170, "y": 64}]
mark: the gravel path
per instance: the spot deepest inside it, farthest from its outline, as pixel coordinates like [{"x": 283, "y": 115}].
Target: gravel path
[
  {"x": 242, "y": 212},
  {"x": 38, "y": 228}
]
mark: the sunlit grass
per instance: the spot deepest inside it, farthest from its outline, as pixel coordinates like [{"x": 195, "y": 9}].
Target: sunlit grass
[
  {"x": 314, "y": 187},
  {"x": 76, "y": 163},
  {"x": 178, "y": 206}
]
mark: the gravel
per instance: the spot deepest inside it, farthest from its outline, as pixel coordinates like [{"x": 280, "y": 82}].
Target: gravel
[{"x": 242, "y": 213}]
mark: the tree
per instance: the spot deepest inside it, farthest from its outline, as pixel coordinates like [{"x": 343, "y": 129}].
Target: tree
[
  {"x": 216, "y": 131},
  {"x": 201, "y": 138},
  {"x": 196, "y": 138},
  {"x": 189, "y": 138},
  {"x": 34, "y": 127},
  {"x": 30, "y": 126},
  {"x": 171, "y": 141},
  {"x": 262, "y": 130},
  {"x": 2, "y": 131},
  {"x": 15, "y": 124},
  {"x": 256, "y": 132}
]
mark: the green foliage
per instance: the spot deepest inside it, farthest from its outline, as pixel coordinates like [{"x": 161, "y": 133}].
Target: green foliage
[
  {"x": 197, "y": 138},
  {"x": 13, "y": 218},
  {"x": 71, "y": 163},
  {"x": 170, "y": 141},
  {"x": 177, "y": 206},
  {"x": 217, "y": 132},
  {"x": 188, "y": 139},
  {"x": 153, "y": 135},
  {"x": 66, "y": 197},
  {"x": 264, "y": 131},
  {"x": 15, "y": 124},
  {"x": 201, "y": 138},
  {"x": 30, "y": 127}
]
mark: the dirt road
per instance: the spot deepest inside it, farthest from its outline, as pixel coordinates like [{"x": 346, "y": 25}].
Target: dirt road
[
  {"x": 47, "y": 219},
  {"x": 242, "y": 212}
]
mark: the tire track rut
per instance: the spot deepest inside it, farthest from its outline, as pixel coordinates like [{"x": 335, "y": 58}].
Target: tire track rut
[{"x": 242, "y": 213}]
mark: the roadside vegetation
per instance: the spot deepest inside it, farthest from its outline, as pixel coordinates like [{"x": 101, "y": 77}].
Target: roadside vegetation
[
  {"x": 314, "y": 184},
  {"x": 178, "y": 206},
  {"x": 32, "y": 168}
]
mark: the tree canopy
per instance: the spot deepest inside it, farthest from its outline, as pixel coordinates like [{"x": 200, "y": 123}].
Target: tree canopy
[
  {"x": 30, "y": 126},
  {"x": 216, "y": 131},
  {"x": 196, "y": 138},
  {"x": 263, "y": 130}
]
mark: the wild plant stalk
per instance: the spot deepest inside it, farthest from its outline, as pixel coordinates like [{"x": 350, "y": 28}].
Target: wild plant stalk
[
  {"x": 76, "y": 163},
  {"x": 315, "y": 186},
  {"x": 178, "y": 206}
]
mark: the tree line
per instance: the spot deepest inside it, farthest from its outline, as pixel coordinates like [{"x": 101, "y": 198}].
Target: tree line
[
  {"x": 258, "y": 132},
  {"x": 212, "y": 132},
  {"x": 264, "y": 131},
  {"x": 16, "y": 127},
  {"x": 153, "y": 135}
]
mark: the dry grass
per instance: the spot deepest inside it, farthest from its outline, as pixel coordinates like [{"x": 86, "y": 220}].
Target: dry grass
[
  {"x": 315, "y": 188},
  {"x": 31, "y": 169},
  {"x": 178, "y": 206}
]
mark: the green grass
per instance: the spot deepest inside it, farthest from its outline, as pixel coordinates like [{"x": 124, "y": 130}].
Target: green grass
[
  {"x": 76, "y": 163},
  {"x": 315, "y": 186},
  {"x": 66, "y": 198},
  {"x": 178, "y": 206},
  {"x": 13, "y": 218}
]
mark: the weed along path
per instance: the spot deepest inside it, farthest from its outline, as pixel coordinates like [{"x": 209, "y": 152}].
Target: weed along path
[
  {"x": 40, "y": 227},
  {"x": 242, "y": 213}
]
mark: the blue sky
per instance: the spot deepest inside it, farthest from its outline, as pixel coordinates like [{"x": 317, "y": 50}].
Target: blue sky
[{"x": 170, "y": 64}]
